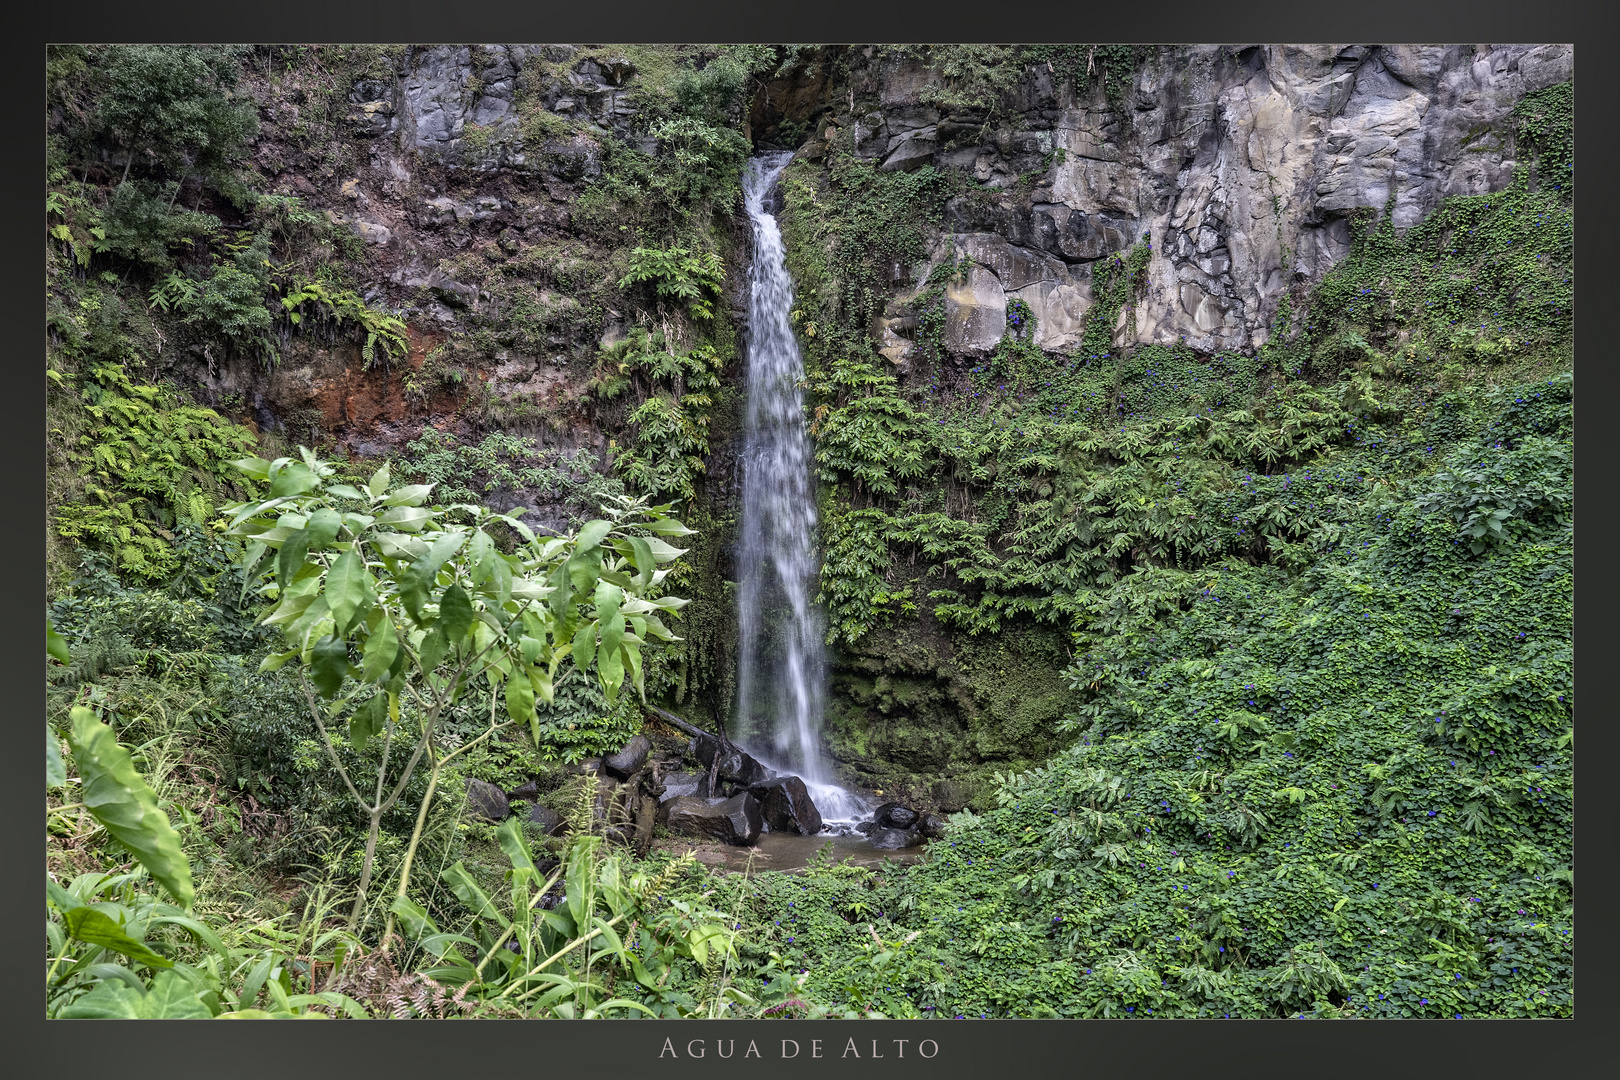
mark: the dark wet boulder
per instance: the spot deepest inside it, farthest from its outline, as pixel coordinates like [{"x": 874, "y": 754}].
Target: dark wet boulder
[
  {"x": 627, "y": 762},
  {"x": 895, "y": 839},
  {"x": 487, "y": 801},
  {"x": 932, "y": 826},
  {"x": 894, "y": 816},
  {"x": 527, "y": 791},
  {"x": 866, "y": 828},
  {"x": 546, "y": 818},
  {"x": 736, "y": 820},
  {"x": 787, "y": 806},
  {"x": 736, "y": 764}
]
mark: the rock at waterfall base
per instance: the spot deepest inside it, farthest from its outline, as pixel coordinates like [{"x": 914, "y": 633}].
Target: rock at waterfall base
[
  {"x": 736, "y": 820},
  {"x": 787, "y": 806},
  {"x": 894, "y": 816}
]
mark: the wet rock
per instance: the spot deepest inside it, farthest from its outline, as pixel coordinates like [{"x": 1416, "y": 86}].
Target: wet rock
[
  {"x": 894, "y": 816},
  {"x": 866, "y": 828},
  {"x": 736, "y": 820},
  {"x": 487, "y": 801},
  {"x": 736, "y": 765},
  {"x": 528, "y": 791},
  {"x": 895, "y": 839},
  {"x": 550, "y": 822},
  {"x": 932, "y": 826},
  {"x": 787, "y": 806},
  {"x": 629, "y": 760}
]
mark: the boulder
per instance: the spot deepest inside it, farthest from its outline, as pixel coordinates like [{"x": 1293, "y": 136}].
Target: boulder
[
  {"x": 527, "y": 791},
  {"x": 736, "y": 765},
  {"x": 895, "y": 839},
  {"x": 932, "y": 826},
  {"x": 787, "y": 806},
  {"x": 894, "y": 816},
  {"x": 628, "y": 761},
  {"x": 487, "y": 801},
  {"x": 866, "y": 828},
  {"x": 736, "y": 820},
  {"x": 549, "y": 821}
]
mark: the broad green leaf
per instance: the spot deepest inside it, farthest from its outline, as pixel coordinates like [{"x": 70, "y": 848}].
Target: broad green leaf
[
  {"x": 293, "y": 478},
  {"x": 416, "y": 583},
  {"x": 349, "y": 591},
  {"x": 290, "y": 559},
  {"x": 590, "y": 535},
  {"x": 120, "y": 800},
  {"x": 379, "y": 481},
  {"x": 433, "y": 649},
  {"x": 95, "y": 927},
  {"x": 584, "y": 645},
  {"x": 455, "y": 613},
  {"x": 381, "y": 647},
  {"x": 274, "y": 661},
  {"x": 665, "y": 552},
  {"x": 171, "y": 997},
  {"x": 409, "y": 495},
  {"x": 56, "y": 645},
  {"x": 413, "y": 917},
  {"x": 467, "y": 891},
  {"x": 329, "y": 662},
  {"x": 520, "y": 700},
  {"x": 666, "y": 527},
  {"x": 612, "y": 635},
  {"x": 368, "y": 720},
  {"x": 323, "y": 526},
  {"x": 643, "y": 558},
  {"x": 254, "y": 467},
  {"x": 406, "y": 518},
  {"x": 510, "y": 837},
  {"x": 345, "y": 491},
  {"x": 55, "y": 769}
]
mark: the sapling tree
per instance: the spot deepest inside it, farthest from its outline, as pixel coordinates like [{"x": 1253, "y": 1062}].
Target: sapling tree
[{"x": 392, "y": 609}]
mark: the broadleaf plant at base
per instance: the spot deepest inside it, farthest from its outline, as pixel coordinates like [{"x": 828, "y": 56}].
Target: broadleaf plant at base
[{"x": 392, "y": 612}]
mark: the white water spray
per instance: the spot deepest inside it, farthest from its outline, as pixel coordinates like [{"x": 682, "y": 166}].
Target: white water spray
[{"x": 782, "y": 668}]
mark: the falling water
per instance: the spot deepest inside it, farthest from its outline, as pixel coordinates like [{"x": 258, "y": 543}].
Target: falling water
[{"x": 782, "y": 670}]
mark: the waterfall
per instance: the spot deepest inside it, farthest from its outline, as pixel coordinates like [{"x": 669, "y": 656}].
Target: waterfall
[{"x": 781, "y": 662}]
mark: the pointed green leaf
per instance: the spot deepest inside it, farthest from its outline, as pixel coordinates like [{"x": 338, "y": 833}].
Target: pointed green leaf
[
  {"x": 434, "y": 646},
  {"x": 56, "y": 645},
  {"x": 290, "y": 559},
  {"x": 381, "y": 647},
  {"x": 519, "y": 700},
  {"x": 368, "y": 720},
  {"x": 55, "y": 769},
  {"x": 294, "y": 478},
  {"x": 95, "y": 927},
  {"x": 329, "y": 662},
  {"x": 455, "y": 613},
  {"x": 349, "y": 590},
  {"x": 323, "y": 526},
  {"x": 379, "y": 481},
  {"x": 591, "y": 534},
  {"x": 120, "y": 800}
]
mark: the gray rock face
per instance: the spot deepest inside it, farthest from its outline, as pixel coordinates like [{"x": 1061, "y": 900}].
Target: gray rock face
[
  {"x": 629, "y": 760},
  {"x": 487, "y": 801},
  {"x": 787, "y": 806},
  {"x": 1240, "y": 165},
  {"x": 932, "y": 826},
  {"x": 736, "y": 820}
]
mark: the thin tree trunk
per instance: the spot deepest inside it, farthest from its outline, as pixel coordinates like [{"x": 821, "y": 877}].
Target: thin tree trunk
[{"x": 365, "y": 870}]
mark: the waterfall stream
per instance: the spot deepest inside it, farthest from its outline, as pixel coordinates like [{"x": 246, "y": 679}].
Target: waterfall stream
[{"x": 781, "y": 662}]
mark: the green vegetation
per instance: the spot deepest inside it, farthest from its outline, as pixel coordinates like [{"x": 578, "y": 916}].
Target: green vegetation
[{"x": 1255, "y": 671}]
